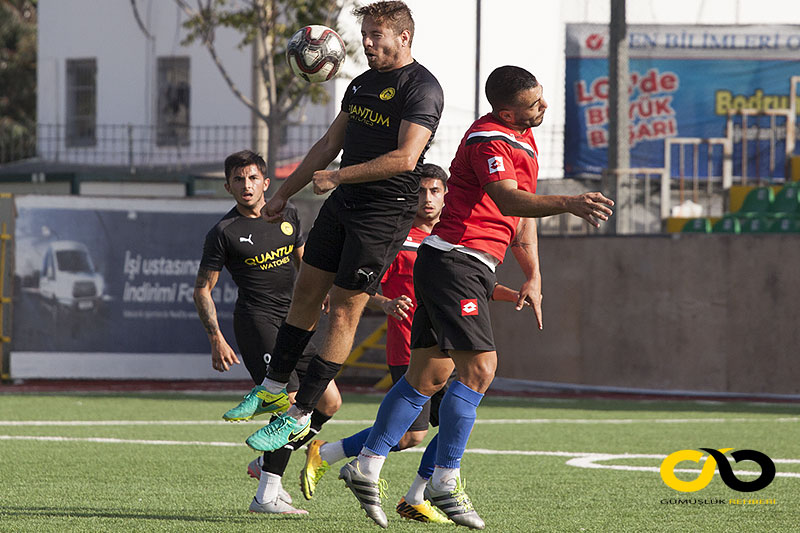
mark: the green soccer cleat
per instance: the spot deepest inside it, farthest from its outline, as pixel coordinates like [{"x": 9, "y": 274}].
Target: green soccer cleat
[
  {"x": 258, "y": 401},
  {"x": 278, "y": 433},
  {"x": 367, "y": 492},
  {"x": 313, "y": 470},
  {"x": 423, "y": 512},
  {"x": 456, "y": 505}
]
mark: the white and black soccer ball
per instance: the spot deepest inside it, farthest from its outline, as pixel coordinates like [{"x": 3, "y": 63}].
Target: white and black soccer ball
[{"x": 316, "y": 53}]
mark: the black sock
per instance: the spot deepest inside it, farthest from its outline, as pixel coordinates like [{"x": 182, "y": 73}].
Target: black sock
[
  {"x": 317, "y": 419},
  {"x": 319, "y": 373},
  {"x": 289, "y": 346},
  {"x": 275, "y": 461}
]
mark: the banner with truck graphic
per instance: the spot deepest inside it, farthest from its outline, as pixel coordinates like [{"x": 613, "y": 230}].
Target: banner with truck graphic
[
  {"x": 684, "y": 80},
  {"x": 97, "y": 275}
]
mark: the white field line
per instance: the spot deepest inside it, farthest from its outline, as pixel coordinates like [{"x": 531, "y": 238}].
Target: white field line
[
  {"x": 591, "y": 461},
  {"x": 716, "y": 420},
  {"x": 577, "y": 459}
]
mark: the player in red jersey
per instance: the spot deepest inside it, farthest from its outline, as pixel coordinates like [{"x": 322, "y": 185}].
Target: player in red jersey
[
  {"x": 490, "y": 205},
  {"x": 397, "y": 301}
]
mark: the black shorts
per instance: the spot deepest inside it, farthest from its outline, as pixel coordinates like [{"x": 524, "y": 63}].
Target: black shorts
[
  {"x": 453, "y": 290},
  {"x": 255, "y": 336},
  {"x": 358, "y": 241},
  {"x": 430, "y": 411}
]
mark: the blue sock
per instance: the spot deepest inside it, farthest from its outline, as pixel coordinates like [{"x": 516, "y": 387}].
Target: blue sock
[
  {"x": 456, "y": 418},
  {"x": 428, "y": 461},
  {"x": 399, "y": 408},
  {"x": 353, "y": 444}
]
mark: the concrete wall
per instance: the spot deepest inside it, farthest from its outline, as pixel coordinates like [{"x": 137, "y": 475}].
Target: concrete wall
[{"x": 707, "y": 313}]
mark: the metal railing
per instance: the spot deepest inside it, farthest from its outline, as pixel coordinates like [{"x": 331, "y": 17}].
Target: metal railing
[
  {"x": 138, "y": 146},
  {"x": 142, "y": 146}
]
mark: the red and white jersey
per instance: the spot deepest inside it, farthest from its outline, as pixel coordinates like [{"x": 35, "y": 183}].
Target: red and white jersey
[
  {"x": 397, "y": 281},
  {"x": 489, "y": 152}
]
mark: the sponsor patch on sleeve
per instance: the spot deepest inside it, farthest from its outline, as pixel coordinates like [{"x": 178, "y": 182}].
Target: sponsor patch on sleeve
[
  {"x": 495, "y": 164},
  {"x": 469, "y": 307}
]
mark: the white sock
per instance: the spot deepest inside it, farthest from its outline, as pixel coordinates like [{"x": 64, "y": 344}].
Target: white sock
[
  {"x": 416, "y": 492},
  {"x": 370, "y": 464},
  {"x": 444, "y": 478},
  {"x": 268, "y": 487},
  {"x": 298, "y": 414},
  {"x": 332, "y": 452},
  {"x": 273, "y": 386}
]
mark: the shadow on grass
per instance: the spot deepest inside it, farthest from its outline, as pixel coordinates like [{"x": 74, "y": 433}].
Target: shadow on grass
[{"x": 84, "y": 512}]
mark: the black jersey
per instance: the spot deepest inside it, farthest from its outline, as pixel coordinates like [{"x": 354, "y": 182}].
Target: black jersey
[
  {"x": 376, "y": 102},
  {"x": 257, "y": 253}
]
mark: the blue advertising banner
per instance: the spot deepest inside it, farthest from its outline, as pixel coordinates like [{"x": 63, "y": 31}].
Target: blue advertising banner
[
  {"x": 113, "y": 276},
  {"x": 683, "y": 82}
]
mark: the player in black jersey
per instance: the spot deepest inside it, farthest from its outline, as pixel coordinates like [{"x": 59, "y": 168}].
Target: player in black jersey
[
  {"x": 388, "y": 118},
  {"x": 262, "y": 259}
]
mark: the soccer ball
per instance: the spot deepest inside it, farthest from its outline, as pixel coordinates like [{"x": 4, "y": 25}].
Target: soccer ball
[{"x": 315, "y": 53}]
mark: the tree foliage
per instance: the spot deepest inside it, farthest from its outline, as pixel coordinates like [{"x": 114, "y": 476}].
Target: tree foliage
[
  {"x": 17, "y": 79},
  {"x": 267, "y": 24}
]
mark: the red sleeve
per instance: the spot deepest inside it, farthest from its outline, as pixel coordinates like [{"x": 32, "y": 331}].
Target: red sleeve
[
  {"x": 492, "y": 161},
  {"x": 389, "y": 272}
]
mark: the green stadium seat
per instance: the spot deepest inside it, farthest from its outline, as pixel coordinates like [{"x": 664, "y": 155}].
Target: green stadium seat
[
  {"x": 727, "y": 224},
  {"x": 757, "y": 201},
  {"x": 697, "y": 225},
  {"x": 756, "y": 224},
  {"x": 785, "y": 224},
  {"x": 787, "y": 200}
]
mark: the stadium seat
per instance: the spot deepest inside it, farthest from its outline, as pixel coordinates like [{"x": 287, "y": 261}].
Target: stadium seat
[
  {"x": 727, "y": 224},
  {"x": 697, "y": 225},
  {"x": 757, "y": 201},
  {"x": 755, "y": 224},
  {"x": 785, "y": 224},
  {"x": 787, "y": 200}
]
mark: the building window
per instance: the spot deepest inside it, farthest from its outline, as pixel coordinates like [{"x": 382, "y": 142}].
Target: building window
[
  {"x": 81, "y": 102},
  {"x": 173, "y": 101}
]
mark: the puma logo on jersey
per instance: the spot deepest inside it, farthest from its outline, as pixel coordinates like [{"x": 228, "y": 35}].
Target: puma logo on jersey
[
  {"x": 355, "y": 88},
  {"x": 249, "y": 239}
]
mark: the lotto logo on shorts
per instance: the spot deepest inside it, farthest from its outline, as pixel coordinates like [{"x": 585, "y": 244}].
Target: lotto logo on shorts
[{"x": 469, "y": 307}]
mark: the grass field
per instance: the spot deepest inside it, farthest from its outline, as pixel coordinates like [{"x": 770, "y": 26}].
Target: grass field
[{"x": 156, "y": 462}]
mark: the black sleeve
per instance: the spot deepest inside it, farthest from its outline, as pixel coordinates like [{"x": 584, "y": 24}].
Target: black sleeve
[
  {"x": 213, "y": 251},
  {"x": 346, "y": 98},
  {"x": 423, "y": 103},
  {"x": 292, "y": 216}
]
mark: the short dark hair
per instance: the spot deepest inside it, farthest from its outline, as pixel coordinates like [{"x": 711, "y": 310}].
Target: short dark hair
[
  {"x": 392, "y": 13},
  {"x": 429, "y": 170},
  {"x": 245, "y": 158},
  {"x": 505, "y": 83}
]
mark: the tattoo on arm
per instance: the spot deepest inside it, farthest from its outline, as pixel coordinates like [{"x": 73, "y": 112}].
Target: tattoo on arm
[
  {"x": 204, "y": 303},
  {"x": 203, "y": 277},
  {"x": 516, "y": 243}
]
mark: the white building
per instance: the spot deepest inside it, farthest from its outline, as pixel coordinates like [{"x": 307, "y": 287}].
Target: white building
[{"x": 114, "y": 92}]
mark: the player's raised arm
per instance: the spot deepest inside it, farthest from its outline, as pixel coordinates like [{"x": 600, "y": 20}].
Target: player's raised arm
[
  {"x": 222, "y": 355},
  {"x": 411, "y": 141},
  {"x": 318, "y": 157},
  {"x": 591, "y": 206}
]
